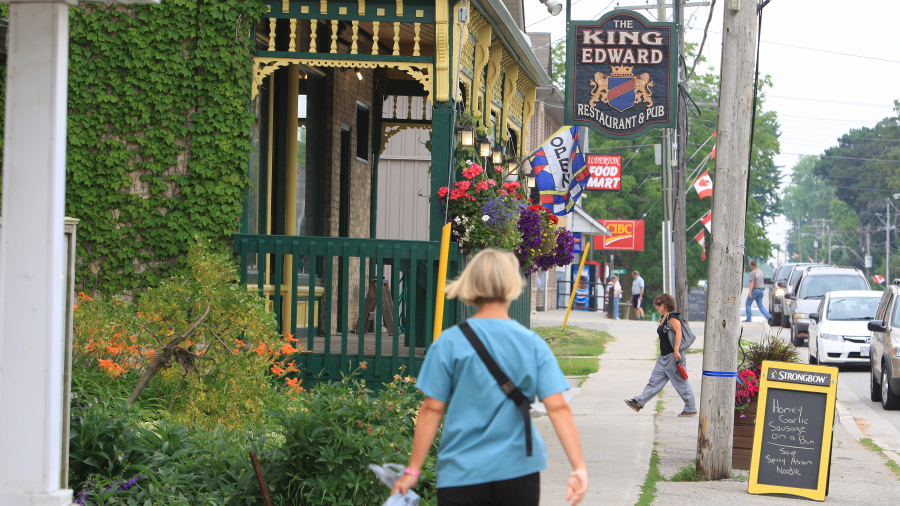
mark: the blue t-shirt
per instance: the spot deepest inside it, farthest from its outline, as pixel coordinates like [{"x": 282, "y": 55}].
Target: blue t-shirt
[{"x": 483, "y": 438}]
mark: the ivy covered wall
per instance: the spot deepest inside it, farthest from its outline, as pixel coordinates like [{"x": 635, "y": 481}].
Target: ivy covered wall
[{"x": 158, "y": 134}]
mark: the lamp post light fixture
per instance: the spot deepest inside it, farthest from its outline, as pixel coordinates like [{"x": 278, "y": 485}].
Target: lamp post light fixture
[
  {"x": 484, "y": 147},
  {"x": 466, "y": 135},
  {"x": 359, "y": 75},
  {"x": 497, "y": 157},
  {"x": 513, "y": 167},
  {"x": 553, "y": 7}
]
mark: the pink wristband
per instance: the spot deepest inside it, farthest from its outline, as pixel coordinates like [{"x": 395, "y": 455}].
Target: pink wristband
[{"x": 411, "y": 472}]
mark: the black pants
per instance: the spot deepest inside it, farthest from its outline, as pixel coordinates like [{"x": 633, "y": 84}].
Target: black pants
[{"x": 522, "y": 491}]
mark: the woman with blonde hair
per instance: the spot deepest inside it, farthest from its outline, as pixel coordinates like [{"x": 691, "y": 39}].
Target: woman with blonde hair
[{"x": 489, "y": 452}]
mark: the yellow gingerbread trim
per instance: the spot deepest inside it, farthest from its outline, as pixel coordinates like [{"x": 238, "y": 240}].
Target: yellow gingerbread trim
[
  {"x": 264, "y": 66},
  {"x": 509, "y": 90},
  {"x": 530, "y": 93},
  {"x": 830, "y": 391},
  {"x": 441, "y": 51}
]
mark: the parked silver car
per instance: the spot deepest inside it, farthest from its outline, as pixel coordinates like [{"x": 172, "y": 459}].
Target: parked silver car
[
  {"x": 779, "y": 282},
  {"x": 884, "y": 351},
  {"x": 811, "y": 287}
]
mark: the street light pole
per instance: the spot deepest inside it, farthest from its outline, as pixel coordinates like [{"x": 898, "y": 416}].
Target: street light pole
[{"x": 887, "y": 244}]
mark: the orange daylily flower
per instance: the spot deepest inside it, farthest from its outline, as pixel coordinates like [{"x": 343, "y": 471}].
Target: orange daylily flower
[
  {"x": 294, "y": 385},
  {"x": 290, "y": 338},
  {"x": 113, "y": 349},
  {"x": 292, "y": 367},
  {"x": 261, "y": 349},
  {"x": 240, "y": 343},
  {"x": 287, "y": 349},
  {"x": 277, "y": 370}
]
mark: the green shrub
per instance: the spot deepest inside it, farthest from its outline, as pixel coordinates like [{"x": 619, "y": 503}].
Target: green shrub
[
  {"x": 200, "y": 346},
  {"x": 339, "y": 430}
]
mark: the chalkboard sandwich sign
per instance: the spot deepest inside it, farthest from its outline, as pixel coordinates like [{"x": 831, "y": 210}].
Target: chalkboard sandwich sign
[{"x": 794, "y": 422}]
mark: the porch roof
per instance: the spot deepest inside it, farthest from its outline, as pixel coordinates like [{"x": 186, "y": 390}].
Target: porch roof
[
  {"x": 514, "y": 39},
  {"x": 581, "y": 222}
]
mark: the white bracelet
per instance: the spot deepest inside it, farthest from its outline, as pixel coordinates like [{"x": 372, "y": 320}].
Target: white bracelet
[{"x": 579, "y": 472}]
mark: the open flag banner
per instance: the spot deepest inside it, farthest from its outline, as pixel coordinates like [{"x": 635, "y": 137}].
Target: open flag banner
[
  {"x": 701, "y": 239},
  {"x": 878, "y": 279},
  {"x": 560, "y": 172},
  {"x": 707, "y": 221},
  {"x": 704, "y": 185}
]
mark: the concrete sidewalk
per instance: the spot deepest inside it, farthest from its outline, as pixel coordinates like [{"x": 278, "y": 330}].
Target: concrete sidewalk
[{"x": 616, "y": 441}]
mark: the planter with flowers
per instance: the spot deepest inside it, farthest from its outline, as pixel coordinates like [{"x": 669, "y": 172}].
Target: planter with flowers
[
  {"x": 486, "y": 212},
  {"x": 746, "y": 394}
]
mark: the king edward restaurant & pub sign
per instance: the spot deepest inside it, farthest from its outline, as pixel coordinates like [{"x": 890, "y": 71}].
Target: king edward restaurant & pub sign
[{"x": 621, "y": 75}]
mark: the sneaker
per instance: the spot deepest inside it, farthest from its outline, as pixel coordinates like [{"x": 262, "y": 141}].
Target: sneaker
[
  {"x": 633, "y": 404},
  {"x": 748, "y": 321},
  {"x": 685, "y": 414}
]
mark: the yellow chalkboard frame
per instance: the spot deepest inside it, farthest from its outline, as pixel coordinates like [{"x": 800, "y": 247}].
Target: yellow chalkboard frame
[{"x": 831, "y": 391}]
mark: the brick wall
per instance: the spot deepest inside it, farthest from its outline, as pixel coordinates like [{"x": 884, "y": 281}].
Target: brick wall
[
  {"x": 343, "y": 91},
  {"x": 540, "y": 127}
]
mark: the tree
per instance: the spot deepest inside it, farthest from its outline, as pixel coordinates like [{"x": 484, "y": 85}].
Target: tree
[
  {"x": 558, "y": 63},
  {"x": 641, "y": 186}
]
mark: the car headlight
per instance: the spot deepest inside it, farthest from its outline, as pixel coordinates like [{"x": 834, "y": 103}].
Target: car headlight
[
  {"x": 832, "y": 337},
  {"x": 895, "y": 351},
  {"x": 779, "y": 292},
  {"x": 801, "y": 316}
]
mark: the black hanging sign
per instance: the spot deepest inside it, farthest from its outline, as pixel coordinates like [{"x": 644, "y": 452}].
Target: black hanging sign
[
  {"x": 621, "y": 75},
  {"x": 794, "y": 421}
]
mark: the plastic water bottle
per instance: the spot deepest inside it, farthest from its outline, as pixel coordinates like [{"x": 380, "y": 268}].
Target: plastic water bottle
[{"x": 388, "y": 474}]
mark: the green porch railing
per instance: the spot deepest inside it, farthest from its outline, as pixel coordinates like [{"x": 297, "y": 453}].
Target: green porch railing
[{"x": 318, "y": 289}]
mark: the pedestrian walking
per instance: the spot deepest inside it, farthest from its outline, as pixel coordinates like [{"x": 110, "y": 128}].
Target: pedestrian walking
[
  {"x": 637, "y": 294},
  {"x": 672, "y": 346},
  {"x": 755, "y": 290},
  {"x": 489, "y": 452},
  {"x": 617, "y": 294}
]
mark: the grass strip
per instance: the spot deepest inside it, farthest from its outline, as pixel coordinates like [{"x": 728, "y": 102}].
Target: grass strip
[
  {"x": 575, "y": 341},
  {"x": 687, "y": 473},
  {"x": 893, "y": 466},
  {"x": 648, "y": 489},
  {"x": 578, "y": 366}
]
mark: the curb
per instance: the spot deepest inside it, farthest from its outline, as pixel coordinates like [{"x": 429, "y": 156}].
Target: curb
[{"x": 848, "y": 422}]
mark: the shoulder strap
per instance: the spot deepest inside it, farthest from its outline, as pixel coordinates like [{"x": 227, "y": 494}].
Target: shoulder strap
[{"x": 508, "y": 387}]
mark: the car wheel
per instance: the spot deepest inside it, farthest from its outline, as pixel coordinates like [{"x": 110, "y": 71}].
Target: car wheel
[
  {"x": 874, "y": 386},
  {"x": 776, "y": 319},
  {"x": 813, "y": 360},
  {"x": 889, "y": 400}
]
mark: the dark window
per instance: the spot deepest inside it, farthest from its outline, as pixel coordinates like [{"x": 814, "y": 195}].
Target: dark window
[{"x": 362, "y": 132}]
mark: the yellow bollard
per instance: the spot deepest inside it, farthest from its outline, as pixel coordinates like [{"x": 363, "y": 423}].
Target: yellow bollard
[
  {"x": 584, "y": 255},
  {"x": 442, "y": 283}
]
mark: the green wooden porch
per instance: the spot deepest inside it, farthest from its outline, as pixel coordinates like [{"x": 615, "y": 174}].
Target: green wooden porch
[{"x": 340, "y": 273}]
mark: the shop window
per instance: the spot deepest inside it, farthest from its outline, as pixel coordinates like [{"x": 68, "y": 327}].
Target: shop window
[{"x": 362, "y": 132}]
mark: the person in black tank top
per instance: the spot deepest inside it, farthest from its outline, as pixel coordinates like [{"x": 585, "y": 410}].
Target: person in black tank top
[{"x": 666, "y": 368}]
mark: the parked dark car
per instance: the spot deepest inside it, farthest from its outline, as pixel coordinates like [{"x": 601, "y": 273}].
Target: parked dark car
[
  {"x": 812, "y": 284},
  {"x": 884, "y": 349},
  {"x": 779, "y": 282}
]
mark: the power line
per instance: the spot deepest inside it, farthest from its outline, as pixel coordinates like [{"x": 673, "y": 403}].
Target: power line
[
  {"x": 828, "y": 101},
  {"x": 845, "y": 157},
  {"x": 817, "y": 49},
  {"x": 841, "y": 187}
]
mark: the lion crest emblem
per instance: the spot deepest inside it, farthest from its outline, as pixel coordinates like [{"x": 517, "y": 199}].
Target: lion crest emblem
[{"x": 621, "y": 90}]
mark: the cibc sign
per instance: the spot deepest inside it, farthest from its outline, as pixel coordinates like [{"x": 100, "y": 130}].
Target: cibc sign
[
  {"x": 627, "y": 235},
  {"x": 606, "y": 172}
]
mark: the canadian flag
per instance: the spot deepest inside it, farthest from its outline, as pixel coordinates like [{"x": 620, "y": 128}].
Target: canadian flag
[
  {"x": 878, "y": 279},
  {"x": 704, "y": 185},
  {"x": 707, "y": 219},
  {"x": 701, "y": 239},
  {"x": 713, "y": 154}
]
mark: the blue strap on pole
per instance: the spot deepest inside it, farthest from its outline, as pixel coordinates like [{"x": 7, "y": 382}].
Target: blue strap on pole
[{"x": 721, "y": 374}]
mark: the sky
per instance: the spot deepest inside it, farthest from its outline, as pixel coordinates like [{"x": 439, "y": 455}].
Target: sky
[{"x": 835, "y": 65}]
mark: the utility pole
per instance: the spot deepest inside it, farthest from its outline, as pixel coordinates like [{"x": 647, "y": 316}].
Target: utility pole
[
  {"x": 679, "y": 224},
  {"x": 726, "y": 262},
  {"x": 799, "y": 241},
  {"x": 887, "y": 245},
  {"x": 667, "y": 195}
]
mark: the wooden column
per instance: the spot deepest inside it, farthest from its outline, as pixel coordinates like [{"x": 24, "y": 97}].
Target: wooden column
[
  {"x": 726, "y": 243},
  {"x": 32, "y": 259}
]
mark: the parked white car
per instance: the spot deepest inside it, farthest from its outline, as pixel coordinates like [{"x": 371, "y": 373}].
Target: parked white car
[{"x": 838, "y": 330}]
